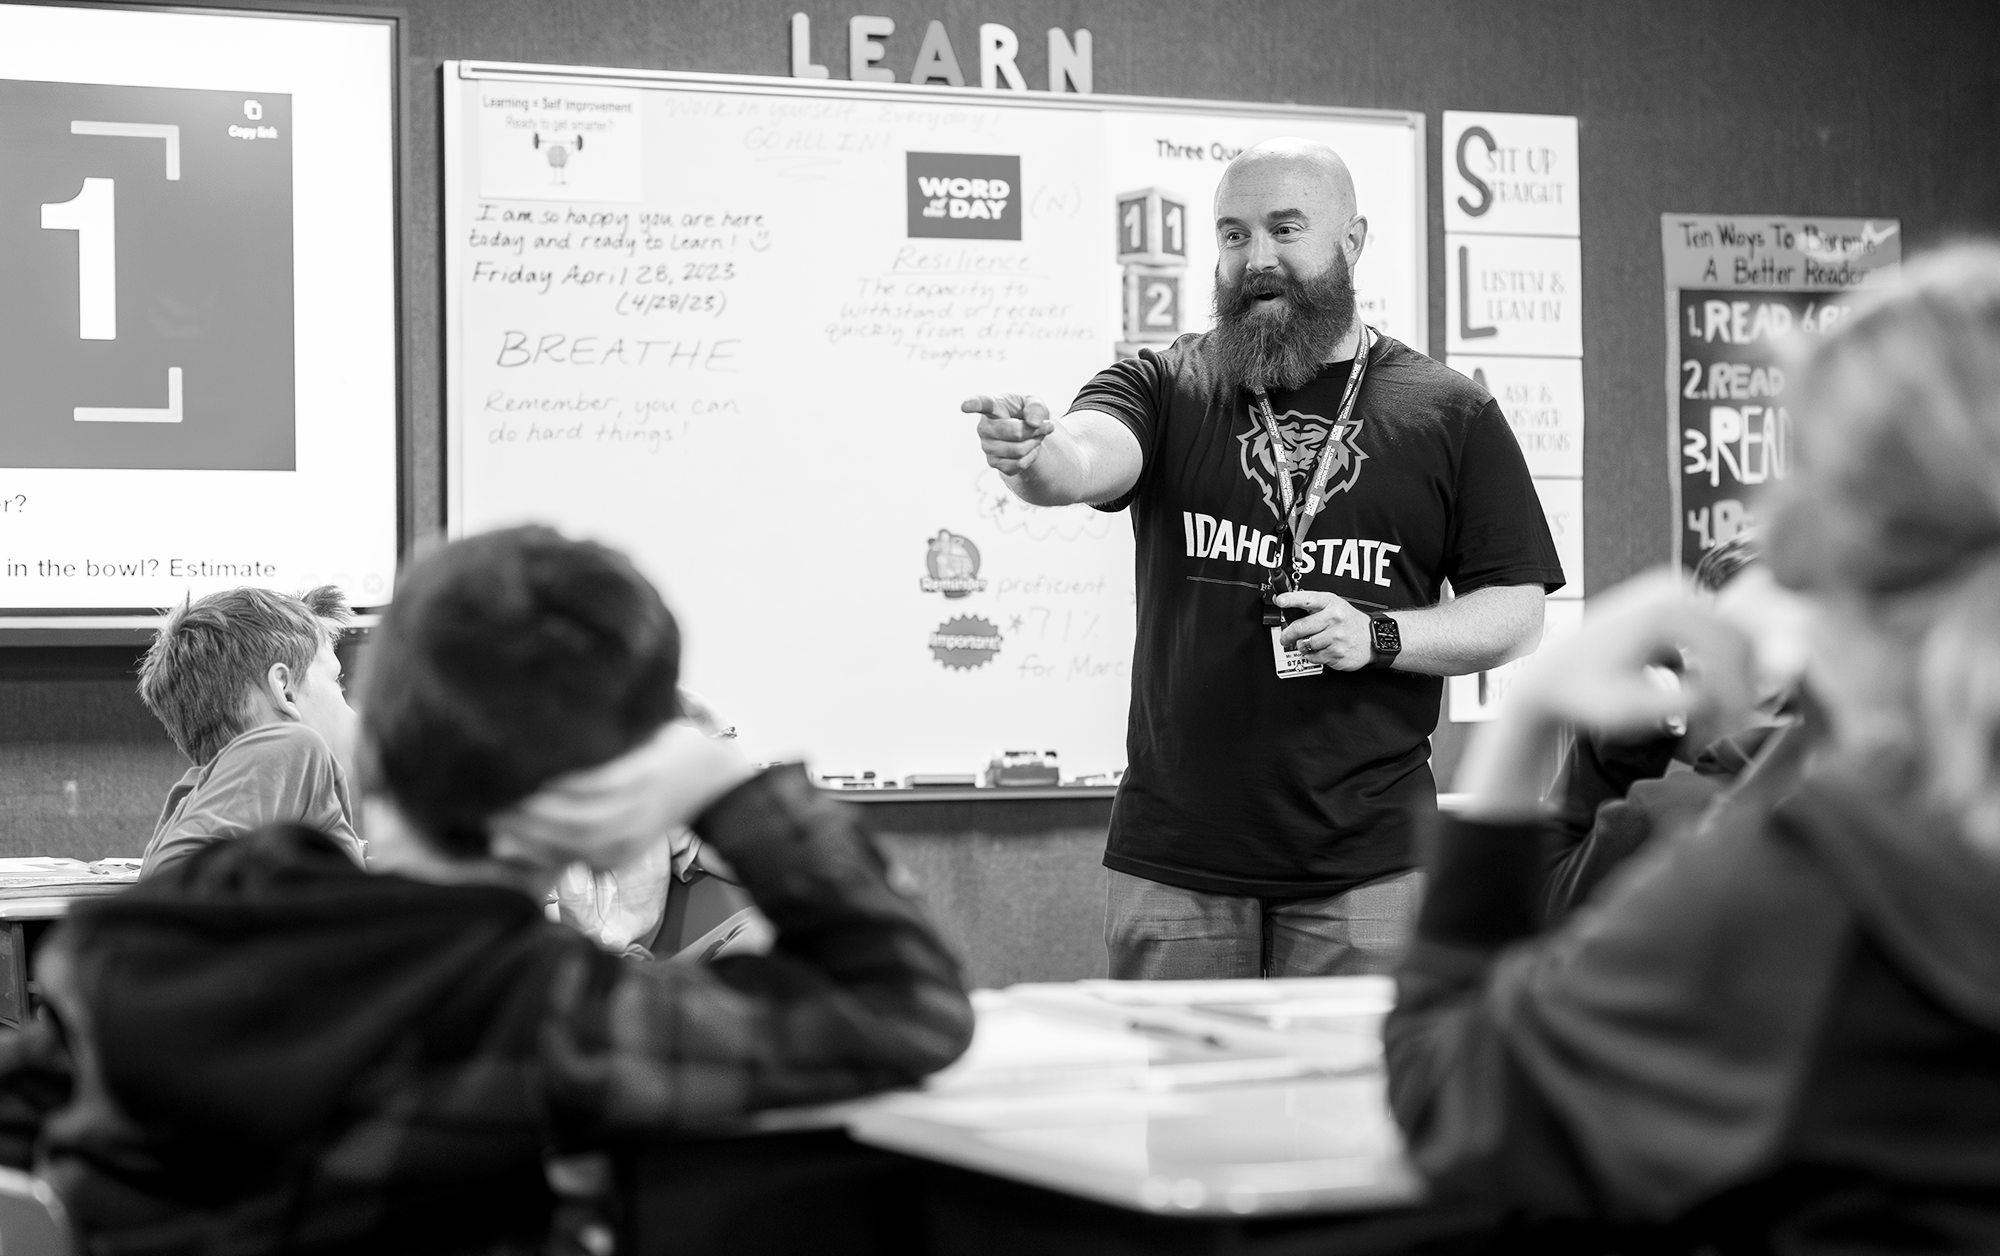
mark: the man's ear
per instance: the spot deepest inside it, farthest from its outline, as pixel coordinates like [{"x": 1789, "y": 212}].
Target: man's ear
[{"x": 1355, "y": 240}]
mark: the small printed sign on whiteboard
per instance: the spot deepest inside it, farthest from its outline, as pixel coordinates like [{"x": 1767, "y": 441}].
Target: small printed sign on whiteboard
[{"x": 559, "y": 143}]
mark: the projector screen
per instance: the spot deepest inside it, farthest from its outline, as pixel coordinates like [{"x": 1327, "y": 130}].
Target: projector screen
[{"x": 197, "y": 307}]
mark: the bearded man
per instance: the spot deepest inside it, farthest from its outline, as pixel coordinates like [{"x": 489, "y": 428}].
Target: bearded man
[{"x": 1302, "y": 487}]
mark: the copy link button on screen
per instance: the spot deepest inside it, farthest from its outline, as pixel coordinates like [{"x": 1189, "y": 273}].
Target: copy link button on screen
[{"x": 146, "y": 278}]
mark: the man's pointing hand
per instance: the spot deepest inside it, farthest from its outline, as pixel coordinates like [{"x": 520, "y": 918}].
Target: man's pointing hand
[{"x": 1011, "y": 430}]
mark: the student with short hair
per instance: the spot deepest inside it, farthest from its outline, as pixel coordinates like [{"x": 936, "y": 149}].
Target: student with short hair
[
  {"x": 274, "y": 1050},
  {"x": 247, "y": 683}
]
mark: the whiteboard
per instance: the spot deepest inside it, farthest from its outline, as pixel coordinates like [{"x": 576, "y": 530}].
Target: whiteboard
[
  {"x": 725, "y": 324},
  {"x": 197, "y": 307}
]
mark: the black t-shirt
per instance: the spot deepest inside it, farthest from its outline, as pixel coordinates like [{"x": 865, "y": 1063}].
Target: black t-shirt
[{"x": 1238, "y": 781}]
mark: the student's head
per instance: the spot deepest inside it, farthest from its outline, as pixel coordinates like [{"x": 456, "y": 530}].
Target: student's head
[
  {"x": 1892, "y": 524},
  {"x": 506, "y": 660},
  {"x": 233, "y": 661},
  {"x": 1287, "y": 236}
]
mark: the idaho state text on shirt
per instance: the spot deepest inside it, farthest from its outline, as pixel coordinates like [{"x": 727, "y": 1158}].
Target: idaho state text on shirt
[{"x": 1355, "y": 558}]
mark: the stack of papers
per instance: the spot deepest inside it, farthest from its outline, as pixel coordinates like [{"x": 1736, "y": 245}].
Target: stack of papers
[
  {"x": 49, "y": 871},
  {"x": 1329, "y": 1025}
]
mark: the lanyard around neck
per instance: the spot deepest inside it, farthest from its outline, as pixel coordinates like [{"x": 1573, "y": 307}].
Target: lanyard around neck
[{"x": 1298, "y": 519}]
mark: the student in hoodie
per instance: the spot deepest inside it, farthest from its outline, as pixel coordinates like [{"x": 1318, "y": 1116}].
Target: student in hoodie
[
  {"x": 247, "y": 684},
  {"x": 1780, "y": 1031},
  {"x": 1616, "y": 793},
  {"x": 265, "y": 1048}
]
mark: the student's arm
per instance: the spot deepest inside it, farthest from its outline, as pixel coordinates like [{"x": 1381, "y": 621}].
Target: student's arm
[
  {"x": 858, "y": 993},
  {"x": 1641, "y": 1057},
  {"x": 1474, "y": 1122},
  {"x": 1599, "y": 769},
  {"x": 1593, "y": 826}
]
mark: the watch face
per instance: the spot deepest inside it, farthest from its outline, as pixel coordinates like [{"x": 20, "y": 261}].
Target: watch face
[{"x": 1387, "y": 639}]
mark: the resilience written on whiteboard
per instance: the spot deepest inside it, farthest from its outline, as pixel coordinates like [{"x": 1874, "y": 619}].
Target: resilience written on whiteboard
[{"x": 726, "y": 324}]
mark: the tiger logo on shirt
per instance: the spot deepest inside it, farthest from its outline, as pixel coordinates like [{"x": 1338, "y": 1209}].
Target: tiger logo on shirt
[{"x": 1306, "y": 440}]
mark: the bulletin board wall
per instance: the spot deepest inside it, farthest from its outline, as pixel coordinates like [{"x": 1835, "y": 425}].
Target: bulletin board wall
[
  {"x": 1836, "y": 107},
  {"x": 1788, "y": 106}
]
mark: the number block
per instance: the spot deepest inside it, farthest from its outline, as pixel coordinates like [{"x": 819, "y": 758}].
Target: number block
[
  {"x": 1152, "y": 228},
  {"x": 1153, "y": 303}
]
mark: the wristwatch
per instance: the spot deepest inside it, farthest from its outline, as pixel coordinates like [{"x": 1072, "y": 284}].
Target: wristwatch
[{"x": 1385, "y": 641}]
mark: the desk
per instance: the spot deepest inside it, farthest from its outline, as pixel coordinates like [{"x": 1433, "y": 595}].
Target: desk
[
  {"x": 1087, "y": 1117},
  {"x": 1213, "y": 1098},
  {"x": 34, "y": 892}
]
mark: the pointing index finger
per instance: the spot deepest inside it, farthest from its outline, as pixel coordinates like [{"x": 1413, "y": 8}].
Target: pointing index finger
[{"x": 1005, "y": 406}]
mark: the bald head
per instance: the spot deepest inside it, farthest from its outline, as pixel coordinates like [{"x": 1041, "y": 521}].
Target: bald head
[{"x": 1308, "y": 168}]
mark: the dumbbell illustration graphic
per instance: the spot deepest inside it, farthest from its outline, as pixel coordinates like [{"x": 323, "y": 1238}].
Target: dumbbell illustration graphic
[{"x": 558, "y": 154}]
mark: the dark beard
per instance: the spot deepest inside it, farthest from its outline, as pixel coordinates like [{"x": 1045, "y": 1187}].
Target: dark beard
[{"x": 1281, "y": 347}]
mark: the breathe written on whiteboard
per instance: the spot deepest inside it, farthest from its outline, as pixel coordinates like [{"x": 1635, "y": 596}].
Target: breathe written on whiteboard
[{"x": 726, "y": 324}]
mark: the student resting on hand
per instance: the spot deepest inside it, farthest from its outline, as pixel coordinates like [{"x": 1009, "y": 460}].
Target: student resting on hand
[
  {"x": 1779, "y": 1032},
  {"x": 265, "y": 1048}
]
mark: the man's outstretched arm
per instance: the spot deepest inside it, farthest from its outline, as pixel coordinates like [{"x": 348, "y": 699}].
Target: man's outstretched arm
[{"x": 1083, "y": 456}]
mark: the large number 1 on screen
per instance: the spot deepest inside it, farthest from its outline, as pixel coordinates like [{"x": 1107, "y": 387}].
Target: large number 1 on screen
[{"x": 91, "y": 215}]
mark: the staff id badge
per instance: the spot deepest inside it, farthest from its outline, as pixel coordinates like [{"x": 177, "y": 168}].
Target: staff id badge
[{"x": 1291, "y": 663}]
